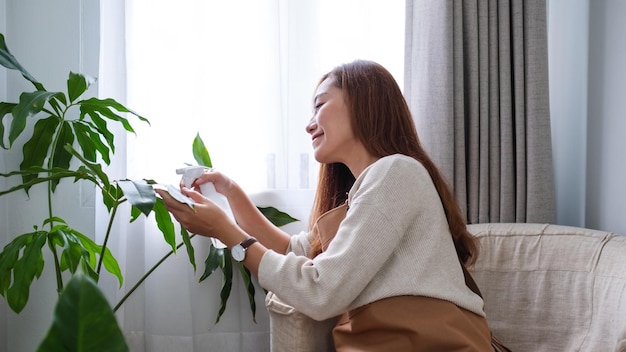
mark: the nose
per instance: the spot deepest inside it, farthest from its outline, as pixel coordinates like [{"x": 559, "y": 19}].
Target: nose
[{"x": 311, "y": 126}]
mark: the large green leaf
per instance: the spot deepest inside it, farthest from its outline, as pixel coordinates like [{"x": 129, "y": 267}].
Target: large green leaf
[
  {"x": 30, "y": 104},
  {"x": 139, "y": 193},
  {"x": 212, "y": 261},
  {"x": 200, "y": 152},
  {"x": 99, "y": 125},
  {"x": 111, "y": 194},
  {"x": 250, "y": 290},
  {"x": 51, "y": 175},
  {"x": 83, "y": 321},
  {"x": 94, "y": 168},
  {"x": 92, "y": 249},
  {"x": 77, "y": 84},
  {"x": 276, "y": 216},
  {"x": 8, "y": 60},
  {"x": 25, "y": 268},
  {"x": 190, "y": 250},
  {"x": 164, "y": 223},
  {"x": 72, "y": 252},
  {"x": 227, "y": 283},
  {"x": 9, "y": 255},
  {"x": 37, "y": 148},
  {"x": 5, "y": 110},
  {"x": 90, "y": 142},
  {"x": 62, "y": 157},
  {"x": 104, "y": 108}
]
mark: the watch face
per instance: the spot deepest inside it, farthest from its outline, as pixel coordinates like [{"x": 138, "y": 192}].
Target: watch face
[{"x": 238, "y": 253}]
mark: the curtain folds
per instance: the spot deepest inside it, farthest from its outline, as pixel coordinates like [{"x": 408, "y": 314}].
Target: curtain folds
[{"x": 476, "y": 79}]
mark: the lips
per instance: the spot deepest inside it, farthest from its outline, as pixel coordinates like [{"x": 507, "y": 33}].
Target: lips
[{"x": 315, "y": 136}]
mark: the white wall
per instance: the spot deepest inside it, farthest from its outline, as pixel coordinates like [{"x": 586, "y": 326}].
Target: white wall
[
  {"x": 606, "y": 126},
  {"x": 50, "y": 39},
  {"x": 3, "y": 203},
  {"x": 587, "y": 52},
  {"x": 567, "y": 51}
]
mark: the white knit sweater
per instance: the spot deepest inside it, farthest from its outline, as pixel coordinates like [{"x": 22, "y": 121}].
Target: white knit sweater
[{"x": 394, "y": 241}]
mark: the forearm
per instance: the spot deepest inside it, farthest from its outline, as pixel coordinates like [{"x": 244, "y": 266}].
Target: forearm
[{"x": 253, "y": 222}]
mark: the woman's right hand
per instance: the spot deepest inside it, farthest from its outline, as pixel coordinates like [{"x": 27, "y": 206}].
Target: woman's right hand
[{"x": 222, "y": 183}]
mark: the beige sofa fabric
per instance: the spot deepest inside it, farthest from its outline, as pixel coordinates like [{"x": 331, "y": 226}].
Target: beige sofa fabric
[{"x": 553, "y": 288}]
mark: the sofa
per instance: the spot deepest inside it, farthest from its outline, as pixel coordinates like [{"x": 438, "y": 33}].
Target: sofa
[{"x": 553, "y": 288}]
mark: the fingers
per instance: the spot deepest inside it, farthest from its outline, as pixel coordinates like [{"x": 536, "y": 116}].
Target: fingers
[
  {"x": 170, "y": 202},
  {"x": 208, "y": 176},
  {"x": 193, "y": 194}
]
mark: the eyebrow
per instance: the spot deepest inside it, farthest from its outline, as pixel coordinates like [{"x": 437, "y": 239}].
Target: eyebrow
[{"x": 317, "y": 97}]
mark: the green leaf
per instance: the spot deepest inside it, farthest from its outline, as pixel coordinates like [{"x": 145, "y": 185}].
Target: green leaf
[
  {"x": 38, "y": 146},
  {"x": 135, "y": 213},
  {"x": 190, "y": 250},
  {"x": 212, "y": 261},
  {"x": 276, "y": 217},
  {"x": 90, "y": 142},
  {"x": 79, "y": 248},
  {"x": 139, "y": 193},
  {"x": 247, "y": 280},
  {"x": 103, "y": 108},
  {"x": 25, "y": 269},
  {"x": 5, "y": 110},
  {"x": 53, "y": 219},
  {"x": 200, "y": 153},
  {"x": 72, "y": 250},
  {"x": 93, "y": 249},
  {"x": 8, "y": 60},
  {"x": 164, "y": 223},
  {"x": 52, "y": 174},
  {"x": 8, "y": 257},
  {"x": 100, "y": 126},
  {"x": 111, "y": 194},
  {"x": 62, "y": 157},
  {"x": 95, "y": 168},
  {"x": 30, "y": 104},
  {"x": 77, "y": 84},
  {"x": 83, "y": 321},
  {"x": 227, "y": 283}
]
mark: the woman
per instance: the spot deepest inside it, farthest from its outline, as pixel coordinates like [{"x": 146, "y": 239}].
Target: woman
[{"x": 400, "y": 247}]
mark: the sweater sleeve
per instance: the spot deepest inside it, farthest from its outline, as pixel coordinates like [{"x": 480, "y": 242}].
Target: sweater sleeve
[
  {"x": 380, "y": 211},
  {"x": 300, "y": 244}
]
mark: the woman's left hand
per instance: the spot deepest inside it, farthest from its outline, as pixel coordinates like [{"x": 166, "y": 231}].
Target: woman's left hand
[{"x": 206, "y": 218}]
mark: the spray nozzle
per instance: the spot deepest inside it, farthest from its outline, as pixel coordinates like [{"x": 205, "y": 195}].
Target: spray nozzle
[{"x": 190, "y": 173}]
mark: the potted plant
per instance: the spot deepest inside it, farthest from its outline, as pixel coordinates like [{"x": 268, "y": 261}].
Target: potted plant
[{"x": 69, "y": 130}]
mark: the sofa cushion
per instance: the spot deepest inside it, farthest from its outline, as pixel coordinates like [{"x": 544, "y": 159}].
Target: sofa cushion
[{"x": 553, "y": 288}]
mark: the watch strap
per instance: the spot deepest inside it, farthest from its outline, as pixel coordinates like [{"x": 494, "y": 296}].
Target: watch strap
[{"x": 247, "y": 243}]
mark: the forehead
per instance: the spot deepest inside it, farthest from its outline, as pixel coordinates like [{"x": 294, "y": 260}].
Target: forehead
[{"x": 326, "y": 87}]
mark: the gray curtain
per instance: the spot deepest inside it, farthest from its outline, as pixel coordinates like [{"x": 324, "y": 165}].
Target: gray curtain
[{"x": 476, "y": 79}]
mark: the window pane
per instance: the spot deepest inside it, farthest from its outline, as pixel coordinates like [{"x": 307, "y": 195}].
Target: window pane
[{"x": 242, "y": 74}]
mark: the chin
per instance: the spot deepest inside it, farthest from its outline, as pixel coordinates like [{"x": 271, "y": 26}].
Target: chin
[{"x": 325, "y": 159}]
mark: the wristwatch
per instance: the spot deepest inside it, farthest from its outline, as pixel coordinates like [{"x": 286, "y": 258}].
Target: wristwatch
[{"x": 239, "y": 251}]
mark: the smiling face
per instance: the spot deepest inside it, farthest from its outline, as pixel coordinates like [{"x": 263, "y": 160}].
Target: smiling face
[
  {"x": 330, "y": 127},
  {"x": 332, "y": 135}
]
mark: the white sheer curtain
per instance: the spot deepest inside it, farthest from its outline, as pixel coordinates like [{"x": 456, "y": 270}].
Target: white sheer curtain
[{"x": 241, "y": 74}]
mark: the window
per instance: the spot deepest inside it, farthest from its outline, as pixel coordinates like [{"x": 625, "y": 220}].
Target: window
[{"x": 242, "y": 75}]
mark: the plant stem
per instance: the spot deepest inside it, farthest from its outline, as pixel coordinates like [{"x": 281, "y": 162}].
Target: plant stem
[
  {"x": 145, "y": 276},
  {"x": 106, "y": 237},
  {"x": 57, "y": 267}
]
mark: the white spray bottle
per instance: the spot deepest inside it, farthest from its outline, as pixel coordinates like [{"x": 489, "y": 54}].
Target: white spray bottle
[{"x": 207, "y": 189}]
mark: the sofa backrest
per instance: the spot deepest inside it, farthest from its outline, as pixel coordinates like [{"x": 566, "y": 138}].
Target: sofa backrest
[{"x": 553, "y": 288}]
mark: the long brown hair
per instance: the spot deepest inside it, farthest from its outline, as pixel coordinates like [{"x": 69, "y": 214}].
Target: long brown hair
[{"x": 382, "y": 121}]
